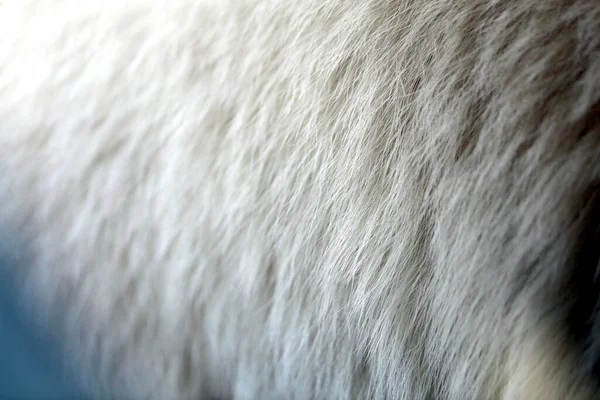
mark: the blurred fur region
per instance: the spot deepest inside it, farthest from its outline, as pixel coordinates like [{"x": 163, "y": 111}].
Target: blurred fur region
[{"x": 317, "y": 199}]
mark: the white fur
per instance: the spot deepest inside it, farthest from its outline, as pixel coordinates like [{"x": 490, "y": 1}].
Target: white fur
[{"x": 315, "y": 199}]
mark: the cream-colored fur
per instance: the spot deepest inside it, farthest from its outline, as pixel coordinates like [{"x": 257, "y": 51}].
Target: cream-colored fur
[{"x": 315, "y": 199}]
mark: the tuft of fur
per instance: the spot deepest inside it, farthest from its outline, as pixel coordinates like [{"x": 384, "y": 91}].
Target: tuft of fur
[{"x": 317, "y": 199}]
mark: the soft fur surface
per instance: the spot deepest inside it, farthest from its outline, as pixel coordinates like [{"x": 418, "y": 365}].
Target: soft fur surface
[{"x": 316, "y": 199}]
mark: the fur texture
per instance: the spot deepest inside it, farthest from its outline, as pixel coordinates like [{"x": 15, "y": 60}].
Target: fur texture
[{"x": 316, "y": 199}]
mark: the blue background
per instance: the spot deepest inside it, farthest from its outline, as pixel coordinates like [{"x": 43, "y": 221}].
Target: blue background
[{"x": 29, "y": 367}]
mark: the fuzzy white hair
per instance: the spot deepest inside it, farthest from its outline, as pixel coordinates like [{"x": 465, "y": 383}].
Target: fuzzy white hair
[{"x": 315, "y": 199}]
